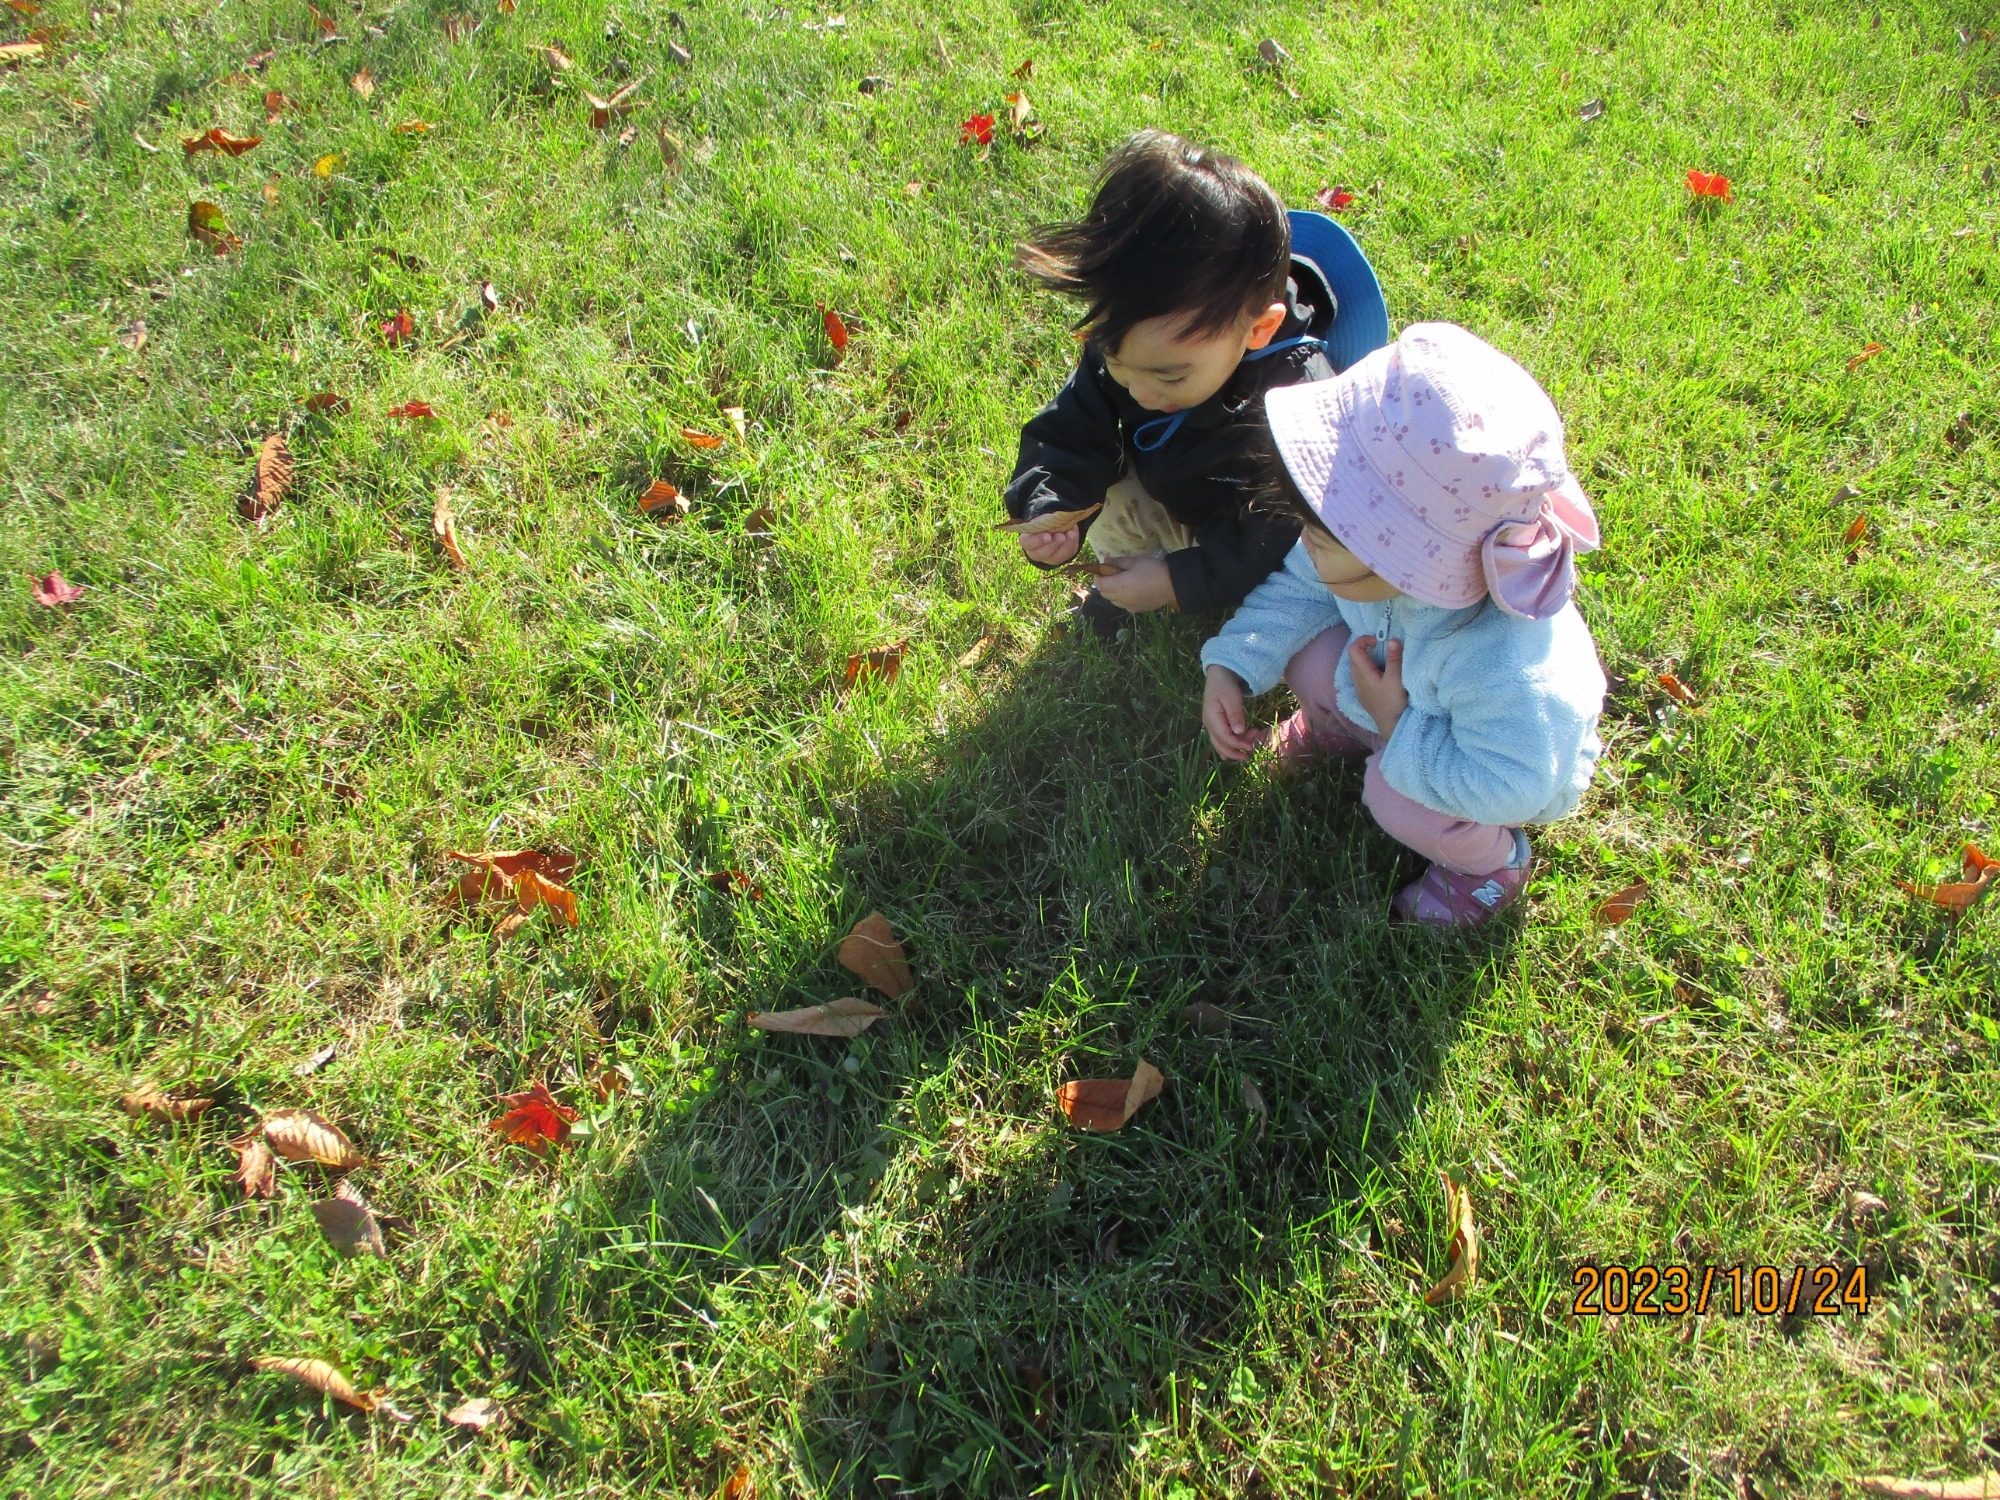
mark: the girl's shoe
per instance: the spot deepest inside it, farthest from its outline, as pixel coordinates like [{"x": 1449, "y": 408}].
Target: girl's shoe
[
  {"x": 1297, "y": 746},
  {"x": 1445, "y": 898}
]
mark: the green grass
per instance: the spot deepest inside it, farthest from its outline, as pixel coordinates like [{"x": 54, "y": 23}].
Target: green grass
[{"x": 847, "y": 1265}]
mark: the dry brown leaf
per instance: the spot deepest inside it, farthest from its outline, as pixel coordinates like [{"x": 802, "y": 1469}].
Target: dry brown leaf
[
  {"x": 481, "y": 1412},
  {"x": 493, "y": 870},
  {"x": 164, "y": 1109},
  {"x": 1956, "y": 897},
  {"x": 363, "y": 83},
  {"x": 16, "y": 52},
  {"x": 763, "y": 521},
  {"x": 326, "y": 403},
  {"x": 221, "y": 140},
  {"x": 256, "y": 1167},
  {"x": 1619, "y": 907},
  {"x": 301, "y": 1135},
  {"x": 532, "y": 890},
  {"x": 555, "y": 57},
  {"x": 604, "y": 111},
  {"x": 1677, "y": 690},
  {"x": 1464, "y": 1247},
  {"x": 1106, "y": 1104},
  {"x": 883, "y": 662},
  {"x": 1861, "y": 1204},
  {"x": 489, "y": 297},
  {"x": 1979, "y": 1487},
  {"x": 872, "y": 952},
  {"x": 133, "y": 335},
  {"x": 611, "y": 1082},
  {"x": 1868, "y": 352},
  {"x": 271, "y": 481},
  {"x": 270, "y": 191},
  {"x": 1054, "y": 520},
  {"x": 740, "y": 422},
  {"x": 348, "y": 1225},
  {"x": 444, "y": 529},
  {"x": 318, "y": 1374},
  {"x": 414, "y": 127},
  {"x": 207, "y": 227},
  {"x": 1855, "y": 532},
  {"x": 738, "y": 1486},
  {"x": 845, "y": 1017},
  {"x": 276, "y": 104},
  {"x": 671, "y": 147},
  {"x": 701, "y": 439},
  {"x": 976, "y": 652},
  {"x": 663, "y": 500}
]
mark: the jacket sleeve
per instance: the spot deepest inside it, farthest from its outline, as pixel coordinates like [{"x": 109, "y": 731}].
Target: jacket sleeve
[
  {"x": 1277, "y": 617},
  {"x": 1071, "y": 451},
  {"x": 1493, "y": 753},
  {"x": 1232, "y": 554}
]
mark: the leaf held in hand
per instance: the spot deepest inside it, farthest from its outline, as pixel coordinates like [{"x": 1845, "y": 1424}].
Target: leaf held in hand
[
  {"x": 1106, "y": 1104},
  {"x": 164, "y": 1109},
  {"x": 1050, "y": 520},
  {"x": 444, "y": 531},
  {"x": 52, "y": 590},
  {"x": 872, "y": 952},
  {"x": 412, "y": 411},
  {"x": 271, "y": 481},
  {"x": 883, "y": 663},
  {"x": 256, "y": 1167},
  {"x": 846, "y": 1017},
  {"x": 301, "y": 1135},
  {"x": 1619, "y": 907},
  {"x": 207, "y": 227},
  {"x": 348, "y": 1225},
  {"x": 1463, "y": 1249},
  {"x": 534, "y": 1119},
  {"x": 1868, "y": 352},
  {"x": 1677, "y": 690},
  {"x": 662, "y": 499}
]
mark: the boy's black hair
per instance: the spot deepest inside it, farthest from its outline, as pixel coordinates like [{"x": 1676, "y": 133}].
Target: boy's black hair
[{"x": 1174, "y": 228}]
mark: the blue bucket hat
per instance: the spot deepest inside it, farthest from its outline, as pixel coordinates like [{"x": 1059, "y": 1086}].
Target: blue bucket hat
[{"x": 1361, "y": 316}]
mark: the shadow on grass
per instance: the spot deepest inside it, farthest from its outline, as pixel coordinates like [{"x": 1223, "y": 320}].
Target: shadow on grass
[{"x": 894, "y": 1247}]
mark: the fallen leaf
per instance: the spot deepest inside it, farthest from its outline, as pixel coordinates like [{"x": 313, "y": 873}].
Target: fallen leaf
[
  {"x": 1273, "y": 52},
  {"x": 301, "y": 1135},
  {"x": 52, "y": 590},
  {"x": 481, "y": 1412},
  {"x": 534, "y": 1119},
  {"x": 701, "y": 439},
  {"x": 1862, "y": 1204},
  {"x": 1335, "y": 200},
  {"x": 1590, "y": 110},
  {"x": 1019, "y": 110},
  {"x": 884, "y": 662},
  {"x": 836, "y": 331},
  {"x": 256, "y": 1167},
  {"x": 400, "y": 329},
  {"x": 1868, "y": 352},
  {"x": 270, "y": 482},
  {"x": 1052, "y": 520},
  {"x": 444, "y": 530},
  {"x": 1956, "y": 898},
  {"x": 532, "y": 890},
  {"x": 1677, "y": 690},
  {"x": 1107, "y": 1104},
  {"x": 363, "y": 83},
  {"x": 735, "y": 883},
  {"x": 138, "y": 140},
  {"x": 219, "y": 139},
  {"x": 24, "y": 7},
  {"x": 207, "y": 226},
  {"x": 276, "y": 104},
  {"x": 414, "y": 127},
  {"x": 1618, "y": 908},
  {"x": 1709, "y": 185},
  {"x": 976, "y": 652},
  {"x": 740, "y": 422},
  {"x": 1253, "y": 1100},
  {"x": 679, "y": 53},
  {"x": 1026, "y": 70},
  {"x": 555, "y": 57},
  {"x": 412, "y": 411},
  {"x": 977, "y": 128},
  {"x": 164, "y": 1109},
  {"x": 349, "y": 1226},
  {"x": 320, "y": 1375},
  {"x": 494, "y": 870},
  {"x": 458, "y": 26},
  {"x": 1464, "y": 1247},
  {"x": 270, "y": 190},
  {"x": 327, "y": 403},
  {"x": 763, "y": 521},
  {"x": 662, "y": 498},
  {"x": 1855, "y": 532},
  {"x": 324, "y": 24},
  {"x": 604, "y": 111},
  {"x": 317, "y": 1061},
  {"x": 671, "y": 147},
  {"x": 610, "y": 1083},
  {"x": 872, "y": 952},
  {"x": 1980, "y": 1487},
  {"x": 847, "y": 1017},
  {"x": 258, "y": 59},
  {"x": 325, "y": 165},
  {"x": 489, "y": 297}
]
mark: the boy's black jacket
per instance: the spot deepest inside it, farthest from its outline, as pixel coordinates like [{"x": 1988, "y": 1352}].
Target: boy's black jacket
[{"x": 1080, "y": 444}]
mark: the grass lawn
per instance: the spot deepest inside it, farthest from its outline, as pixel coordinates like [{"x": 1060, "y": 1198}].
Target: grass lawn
[{"x": 886, "y": 1265}]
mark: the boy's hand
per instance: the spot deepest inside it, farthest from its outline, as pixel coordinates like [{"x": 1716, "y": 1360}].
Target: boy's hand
[
  {"x": 1380, "y": 689},
  {"x": 1222, "y": 716},
  {"x": 1140, "y": 584},
  {"x": 1051, "y": 548}
]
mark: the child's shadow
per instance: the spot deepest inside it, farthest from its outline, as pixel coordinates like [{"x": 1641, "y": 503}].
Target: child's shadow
[{"x": 977, "y": 1297}]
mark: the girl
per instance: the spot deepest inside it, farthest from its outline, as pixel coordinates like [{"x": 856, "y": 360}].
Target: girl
[{"x": 1424, "y": 619}]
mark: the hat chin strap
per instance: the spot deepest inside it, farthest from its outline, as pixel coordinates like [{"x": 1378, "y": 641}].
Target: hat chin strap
[{"x": 1530, "y": 566}]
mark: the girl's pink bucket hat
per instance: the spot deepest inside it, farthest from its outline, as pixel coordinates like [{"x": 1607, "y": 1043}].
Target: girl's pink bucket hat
[{"x": 1439, "y": 462}]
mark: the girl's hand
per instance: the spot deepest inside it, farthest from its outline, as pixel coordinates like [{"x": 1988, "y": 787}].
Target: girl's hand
[
  {"x": 1051, "y": 548},
  {"x": 1140, "y": 584},
  {"x": 1380, "y": 689},
  {"x": 1222, "y": 716}
]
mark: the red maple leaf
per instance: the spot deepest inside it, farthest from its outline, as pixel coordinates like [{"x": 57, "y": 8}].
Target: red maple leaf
[
  {"x": 1709, "y": 185},
  {"x": 400, "y": 327},
  {"x": 534, "y": 1119},
  {"x": 836, "y": 330},
  {"x": 53, "y": 590},
  {"x": 411, "y": 410},
  {"x": 979, "y": 128},
  {"x": 1335, "y": 200}
]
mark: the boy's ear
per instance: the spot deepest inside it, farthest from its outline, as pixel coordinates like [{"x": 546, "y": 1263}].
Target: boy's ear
[{"x": 1268, "y": 323}]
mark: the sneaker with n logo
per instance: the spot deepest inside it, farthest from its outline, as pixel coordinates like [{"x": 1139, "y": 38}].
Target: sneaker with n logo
[{"x": 1445, "y": 898}]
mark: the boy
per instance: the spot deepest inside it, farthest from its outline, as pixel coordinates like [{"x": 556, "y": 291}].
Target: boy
[{"x": 1194, "y": 307}]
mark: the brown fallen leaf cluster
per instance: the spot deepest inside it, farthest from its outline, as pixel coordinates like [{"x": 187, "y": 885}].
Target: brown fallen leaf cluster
[
  {"x": 528, "y": 878},
  {"x": 872, "y": 953}
]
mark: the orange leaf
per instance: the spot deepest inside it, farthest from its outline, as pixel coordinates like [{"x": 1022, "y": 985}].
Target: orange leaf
[
  {"x": 1051, "y": 520},
  {"x": 324, "y": 24},
  {"x": 1618, "y": 908},
  {"x": 507, "y": 863},
  {"x": 604, "y": 111},
  {"x": 276, "y": 104},
  {"x": 207, "y": 226},
  {"x": 327, "y": 403},
  {"x": 532, "y": 890},
  {"x": 847, "y": 1017},
  {"x": 1857, "y": 531},
  {"x": 320, "y": 1375},
  {"x": 444, "y": 528},
  {"x": 1463, "y": 1249},
  {"x": 885, "y": 662},
  {"x": 872, "y": 952},
  {"x": 1677, "y": 690},
  {"x": 363, "y": 83},
  {"x": 399, "y": 329},
  {"x": 1107, "y": 1104},
  {"x": 1977, "y": 865},
  {"x": 610, "y": 1083},
  {"x": 701, "y": 439},
  {"x": 735, "y": 883},
  {"x": 836, "y": 330},
  {"x": 534, "y": 1119},
  {"x": 411, "y": 411},
  {"x": 220, "y": 140},
  {"x": 1956, "y": 898},
  {"x": 271, "y": 481},
  {"x": 1868, "y": 352},
  {"x": 976, "y": 652},
  {"x": 24, "y": 7},
  {"x": 256, "y": 1167},
  {"x": 163, "y": 1109},
  {"x": 737, "y": 1486},
  {"x": 301, "y": 1135},
  {"x": 555, "y": 57},
  {"x": 662, "y": 498},
  {"x": 1026, "y": 70},
  {"x": 414, "y": 127}
]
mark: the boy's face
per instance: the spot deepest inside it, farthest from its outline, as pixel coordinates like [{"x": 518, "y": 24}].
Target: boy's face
[
  {"x": 1345, "y": 575},
  {"x": 1167, "y": 372}
]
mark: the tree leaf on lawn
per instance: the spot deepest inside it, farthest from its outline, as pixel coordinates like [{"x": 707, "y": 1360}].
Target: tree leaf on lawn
[
  {"x": 610, "y": 1082},
  {"x": 301, "y": 1135},
  {"x": 884, "y": 662},
  {"x": 412, "y": 411},
  {"x": 414, "y": 127},
  {"x": 1463, "y": 1249},
  {"x": 489, "y": 297},
  {"x": 52, "y": 590},
  {"x": 534, "y": 1119},
  {"x": 836, "y": 330},
  {"x": 679, "y": 53},
  {"x": 532, "y": 890},
  {"x": 555, "y": 57},
  {"x": 1868, "y": 352},
  {"x": 740, "y": 422},
  {"x": 1960, "y": 897},
  {"x": 604, "y": 111},
  {"x": 845, "y": 1017},
  {"x": 735, "y": 883},
  {"x": 363, "y": 83},
  {"x": 478, "y": 1414},
  {"x": 1619, "y": 907},
  {"x": 701, "y": 439},
  {"x": 1677, "y": 690},
  {"x": 16, "y": 52},
  {"x": 1979, "y": 1487},
  {"x": 270, "y": 482},
  {"x": 276, "y": 104},
  {"x": 164, "y": 1109},
  {"x": 1107, "y": 1104},
  {"x": 1855, "y": 532},
  {"x": 400, "y": 329},
  {"x": 872, "y": 953},
  {"x": 325, "y": 165},
  {"x": 348, "y": 1225},
  {"x": 318, "y": 1374},
  {"x": 1053, "y": 520},
  {"x": 444, "y": 530},
  {"x": 493, "y": 871},
  {"x": 1025, "y": 71},
  {"x": 326, "y": 403},
  {"x": 1861, "y": 1204},
  {"x": 256, "y": 1167},
  {"x": 737, "y": 1486},
  {"x": 976, "y": 652},
  {"x": 221, "y": 140},
  {"x": 663, "y": 500},
  {"x": 207, "y": 227},
  {"x": 317, "y": 1061}
]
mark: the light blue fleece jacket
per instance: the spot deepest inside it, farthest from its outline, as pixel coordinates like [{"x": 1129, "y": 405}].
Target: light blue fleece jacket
[{"x": 1502, "y": 722}]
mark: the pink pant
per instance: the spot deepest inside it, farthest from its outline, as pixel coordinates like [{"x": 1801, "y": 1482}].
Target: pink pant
[{"x": 1457, "y": 844}]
